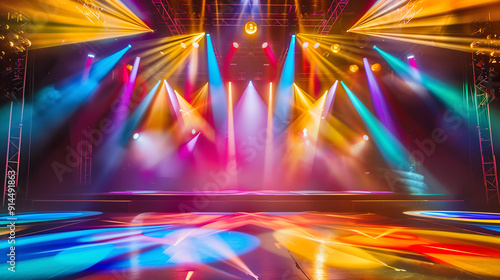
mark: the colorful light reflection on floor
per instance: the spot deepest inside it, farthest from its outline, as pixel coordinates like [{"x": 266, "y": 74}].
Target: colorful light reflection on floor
[{"x": 251, "y": 246}]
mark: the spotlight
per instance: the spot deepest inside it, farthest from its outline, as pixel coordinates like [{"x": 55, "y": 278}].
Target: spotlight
[
  {"x": 183, "y": 45},
  {"x": 235, "y": 45},
  {"x": 250, "y": 27},
  {"x": 136, "y": 136},
  {"x": 196, "y": 45},
  {"x": 193, "y": 131},
  {"x": 366, "y": 138},
  {"x": 376, "y": 67},
  {"x": 305, "y": 45},
  {"x": 316, "y": 45},
  {"x": 410, "y": 56},
  {"x": 335, "y": 48},
  {"x": 265, "y": 45},
  {"x": 129, "y": 45},
  {"x": 129, "y": 67},
  {"x": 354, "y": 68},
  {"x": 91, "y": 55}
]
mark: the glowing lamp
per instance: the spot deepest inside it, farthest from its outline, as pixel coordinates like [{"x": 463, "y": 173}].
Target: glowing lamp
[
  {"x": 366, "y": 138},
  {"x": 193, "y": 131},
  {"x": 335, "y": 48},
  {"x": 136, "y": 136},
  {"x": 316, "y": 45},
  {"x": 91, "y": 55},
  {"x": 250, "y": 27},
  {"x": 196, "y": 45},
  {"x": 129, "y": 67},
  {"x": 183, "y": 45},
  {"x": 265, "y": 45},
  {"x": 305, "y": 45},
  {"x": 354, "y": 68},
  {"x": 376, "y": 67},
  {"x": 235, "y": 45}
]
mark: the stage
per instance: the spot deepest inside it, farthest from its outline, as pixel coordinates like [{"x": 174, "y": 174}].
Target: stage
[
  {"x": 246, "y": 201},
  {"x": 275, "y": 246}
]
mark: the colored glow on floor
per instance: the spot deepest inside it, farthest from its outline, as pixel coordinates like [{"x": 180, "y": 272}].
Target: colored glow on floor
[
  {"x": 45, "y": 217},
  {"x": 474, "y": 217}
]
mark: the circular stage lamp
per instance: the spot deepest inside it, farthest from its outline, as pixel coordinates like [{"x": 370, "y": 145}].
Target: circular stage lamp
[
  {"x": 265, "y": 45},
  {"x": 305, "y": 45},
  {"x": 376, "y": 67},
  {"x": 366, "y": 138},
  {"x": 235, "y": 45},
  {"x": 193, "y": 131},
  {"x": 335, "y": 48},
  {"x": 183, "y": 45},
  {"x": 129, "y": 67},
  {"x": 354, "y": 68},
  {"x": 250, "y": 27},
  {"x": 196, "y": 45},
  {"x": 316, "y": 45},
  {"x": 136, "y": 136}
]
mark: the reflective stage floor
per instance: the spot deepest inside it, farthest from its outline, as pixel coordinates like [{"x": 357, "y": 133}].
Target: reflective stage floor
[{"x": 312, "y": 245}]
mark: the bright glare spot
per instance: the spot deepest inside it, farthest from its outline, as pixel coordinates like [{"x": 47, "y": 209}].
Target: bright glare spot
[
  {"x": 193, "y": 131},
  {"x": 91, "y": 55},
  {"x": 264, "y": 45},
  {"x": 196, "y": 45},
  {"x": 366, "y": 138},
  {"x": 162, "y": 53},
  {"x": 136, "y": 136},
  {"x": 235, "y": 45},
  {"x": 354, "y": 68},
  {"x": 316, "y": 45},
  {"x": 129, "y": 45},
  {"x": 410, "y": 57},
  {"x": 129, "y": 67},
  {"x": 304, "y": 130},
  {"x": 305, "y": 45},
  {"x": 183, "y": 45}
]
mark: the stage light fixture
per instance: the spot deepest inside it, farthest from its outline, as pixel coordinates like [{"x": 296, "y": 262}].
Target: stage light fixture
[
  {"x": 250, "y": 27},
  {"x": 366, "y": 138},
  {"x": 305, "y": 45},
  {"x": 354, "y": 68},
  {"x": 410, "y": 56},
  {"x": 235, "y": 45},
  {"x": 316, "y": 45},
  {"x": 196, "y": 45},
  {"x": 183, "y": 45},
  {"x": 376, "y": 67},
  {"x": 129, "y": 46},
  {"x": 136, "y": 136},
  {"x": 335, "y": 48},
  {"x": 129, "y": 67},
  {"x": 193, "y": 131},
  {"x": 91, "y": 55},
  {"x": 265, "y": 45}
]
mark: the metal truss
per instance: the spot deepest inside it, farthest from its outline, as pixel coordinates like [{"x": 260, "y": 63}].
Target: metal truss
[
  {"x": 482, "y": 99},
  {"x": 332, "y": 15},
  {"x": 167, "y": 15},
  {"x": 15, "y": 132}
]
